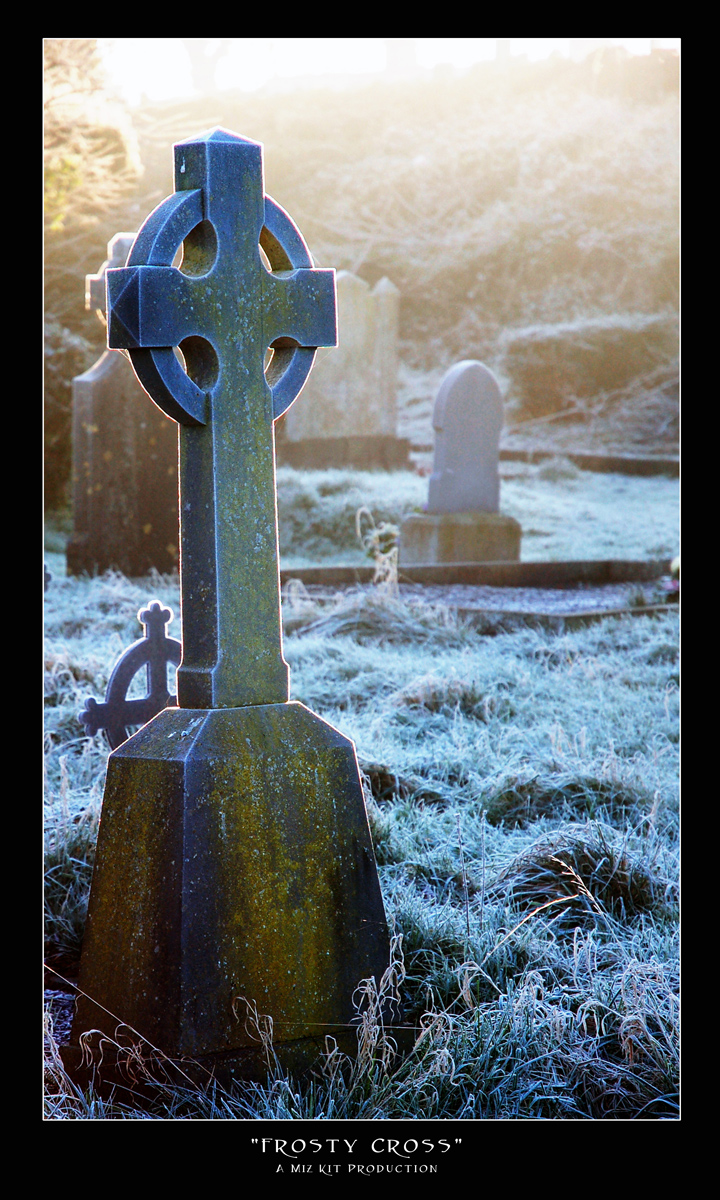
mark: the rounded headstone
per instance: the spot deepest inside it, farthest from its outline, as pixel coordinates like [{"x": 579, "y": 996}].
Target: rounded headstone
[{"x": 467, "y": 419}]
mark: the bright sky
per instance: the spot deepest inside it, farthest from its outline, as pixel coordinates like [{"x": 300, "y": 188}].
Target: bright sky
[{"x": 159, "y": 67}]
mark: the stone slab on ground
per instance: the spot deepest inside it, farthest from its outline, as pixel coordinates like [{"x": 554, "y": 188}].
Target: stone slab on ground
[
  {"x": 560, "y": 574},
  {"x": 551, "y": 607},
  {"x": 421, "y": 456}
]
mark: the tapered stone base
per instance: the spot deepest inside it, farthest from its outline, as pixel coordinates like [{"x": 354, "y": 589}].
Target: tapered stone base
[
  {"x": 234, "y": 873},
  {"x": 459, "y": 538}
]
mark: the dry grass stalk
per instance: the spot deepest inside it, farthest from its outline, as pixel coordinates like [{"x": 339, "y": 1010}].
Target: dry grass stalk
[{"x": 380, "y": 543}]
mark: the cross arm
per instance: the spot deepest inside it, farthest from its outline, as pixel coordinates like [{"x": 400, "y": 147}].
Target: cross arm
[
  {"x": 300, "y": 305},
  {"x": 150, "y": 307}
]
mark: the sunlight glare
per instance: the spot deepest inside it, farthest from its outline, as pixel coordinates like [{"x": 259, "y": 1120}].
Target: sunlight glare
[{"x": 157, "y": 69}]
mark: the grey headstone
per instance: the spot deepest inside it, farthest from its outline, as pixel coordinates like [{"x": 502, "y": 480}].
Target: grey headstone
[
  {"x": 353, "y": 388},
  {"x": 125, "y": 460},
  {"x": 467, "y": 419}
]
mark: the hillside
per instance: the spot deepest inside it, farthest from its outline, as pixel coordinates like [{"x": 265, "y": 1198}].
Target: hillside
[{"x": 528, "y": 215}]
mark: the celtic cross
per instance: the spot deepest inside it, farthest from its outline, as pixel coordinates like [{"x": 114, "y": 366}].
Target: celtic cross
[
  {"x": 234, "y": 858},
  {"x": 223, "y": 308},
  {"x": 154, "y": 651}
]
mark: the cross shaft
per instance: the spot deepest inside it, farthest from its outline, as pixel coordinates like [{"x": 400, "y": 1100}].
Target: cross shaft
[{"x": 223, "y": 308}]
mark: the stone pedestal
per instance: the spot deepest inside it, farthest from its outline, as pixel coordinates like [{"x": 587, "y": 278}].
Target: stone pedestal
[
  {"x": 459, "y": 537},
  {"x": 242, "y": 870}
]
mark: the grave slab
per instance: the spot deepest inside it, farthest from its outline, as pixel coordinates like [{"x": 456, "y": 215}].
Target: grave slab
[
  {"x": 558, "y": 574},
  {"x": 368, "y": 453}
]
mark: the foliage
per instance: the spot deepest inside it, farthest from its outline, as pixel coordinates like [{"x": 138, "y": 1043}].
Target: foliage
[
  {"x": 90, "y": 167},
  {"x": 67, "y": 354},
  {"x": 496, "y": 201},
  {"x": 318, "y": 511},
  {"x": 585, "y": 363}
]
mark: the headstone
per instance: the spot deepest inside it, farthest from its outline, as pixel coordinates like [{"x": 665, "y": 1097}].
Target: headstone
[
  {"x": 234, "y": 869},
  {"x": 348, "y": 410},
  {"x": 462, "y": 522},
  {"x": 125, "y": 492}
]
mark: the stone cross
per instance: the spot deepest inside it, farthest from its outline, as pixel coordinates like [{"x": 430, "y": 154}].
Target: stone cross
[
  {"x": 225, "y": 406},
  {"x": 234, "y": 863},
  {"x": 155, "y": 651},
  {"x": 96, "y": 284}
]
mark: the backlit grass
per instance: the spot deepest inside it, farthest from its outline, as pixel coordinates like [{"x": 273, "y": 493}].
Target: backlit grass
[{"x": 522, "y": 792}]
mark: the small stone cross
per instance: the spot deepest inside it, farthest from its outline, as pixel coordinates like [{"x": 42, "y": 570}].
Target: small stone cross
[
  {"x": 95, "y": 285},
  {"x": 154, "y": 651},
  {"x": 223, "y": 308}
]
